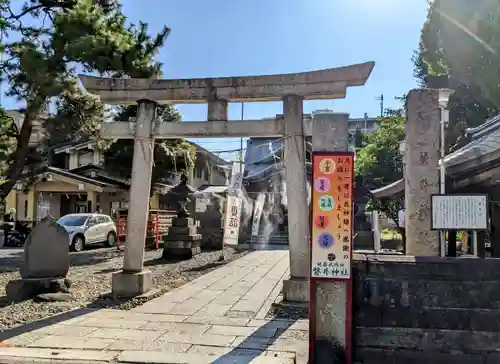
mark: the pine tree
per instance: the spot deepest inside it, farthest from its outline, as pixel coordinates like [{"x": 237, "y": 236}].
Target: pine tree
[{"x": 40, "y": 66}]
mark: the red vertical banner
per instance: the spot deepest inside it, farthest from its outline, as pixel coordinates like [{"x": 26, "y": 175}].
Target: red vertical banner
[{"x": 331, "y": 232}]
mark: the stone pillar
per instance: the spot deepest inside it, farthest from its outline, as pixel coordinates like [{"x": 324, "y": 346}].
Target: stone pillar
[
  {"x": 32, "y": 202},
  {"x": 422, "y": 174},
  {"x": 217, "y": 110},
  {"x": 330, "y": 134},
  {"x": 495, "y": 223},
  {"x": 297, "y": 287},
  {"x": 133, "y": 281},
  {"x": 91, "y": 201}
]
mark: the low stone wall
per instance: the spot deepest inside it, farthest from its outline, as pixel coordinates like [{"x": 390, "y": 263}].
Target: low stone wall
[{"x": 426, "y": 310}]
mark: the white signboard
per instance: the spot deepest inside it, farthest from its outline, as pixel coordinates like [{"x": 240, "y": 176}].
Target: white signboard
[
  {"x": 459, "y": 212},
  {"x": 401, "y": 218},
  {"x": 257, "y": 213},
  {"x": 233, "y": 207}
]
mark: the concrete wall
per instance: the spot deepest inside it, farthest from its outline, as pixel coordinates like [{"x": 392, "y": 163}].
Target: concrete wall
[{"x": 426, "y": 310}]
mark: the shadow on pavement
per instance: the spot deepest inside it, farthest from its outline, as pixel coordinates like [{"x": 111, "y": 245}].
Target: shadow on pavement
[{"x": 257, "y": 343}]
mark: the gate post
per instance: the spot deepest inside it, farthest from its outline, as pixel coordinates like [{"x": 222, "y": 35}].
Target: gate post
[{"x": 330, "y": 314}]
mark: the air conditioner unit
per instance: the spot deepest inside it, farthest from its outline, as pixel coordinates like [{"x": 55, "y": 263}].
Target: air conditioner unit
[{"x": 19, "y": 186}]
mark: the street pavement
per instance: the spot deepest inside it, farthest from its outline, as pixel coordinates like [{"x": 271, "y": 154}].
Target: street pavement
[{"x": 220, "y": 318}]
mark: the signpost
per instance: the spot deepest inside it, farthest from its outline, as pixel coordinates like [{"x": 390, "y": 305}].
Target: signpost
[
  {"x": 233, "y": 206},
  {"x": 257, "y": 213},
  {"x": 459, "y": 212},
  {"x": 332, "y": 230}
]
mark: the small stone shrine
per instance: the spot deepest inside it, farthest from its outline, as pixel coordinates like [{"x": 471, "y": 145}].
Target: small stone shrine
[
  {"x": 183, "y": 240},
  {"x": 211, "y": 224},
  {"x": 46, "y": 264}
]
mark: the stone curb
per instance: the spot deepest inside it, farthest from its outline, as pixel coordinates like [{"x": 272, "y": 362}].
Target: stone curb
[{"x": 16, "y": 355}]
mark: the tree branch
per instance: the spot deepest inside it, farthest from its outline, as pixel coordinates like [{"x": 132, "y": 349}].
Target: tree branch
[{"x": 44, "y": 4}]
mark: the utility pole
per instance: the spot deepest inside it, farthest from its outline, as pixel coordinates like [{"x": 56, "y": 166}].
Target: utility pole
[
  {"x": 241, "y": 139},
  {"x": 381, "y": 99}
]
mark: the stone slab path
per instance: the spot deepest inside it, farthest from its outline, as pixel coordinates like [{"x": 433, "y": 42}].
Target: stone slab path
[{"x": 217, "y": 318}]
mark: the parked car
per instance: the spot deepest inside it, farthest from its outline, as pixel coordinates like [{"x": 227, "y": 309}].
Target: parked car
[{"x": 86, "y": 229}]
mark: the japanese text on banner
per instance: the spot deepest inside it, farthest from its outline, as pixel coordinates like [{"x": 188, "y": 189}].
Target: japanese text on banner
[{"x": 332, "y": 215}]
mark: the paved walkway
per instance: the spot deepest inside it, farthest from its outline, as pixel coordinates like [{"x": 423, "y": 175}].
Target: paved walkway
[{"x": 217, "y": 318}]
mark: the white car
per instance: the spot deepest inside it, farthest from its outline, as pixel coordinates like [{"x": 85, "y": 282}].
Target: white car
[{"x": 85, "y": 229}]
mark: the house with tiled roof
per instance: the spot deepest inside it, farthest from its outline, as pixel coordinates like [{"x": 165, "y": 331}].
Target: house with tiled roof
[{"x": 75, "y": 180}]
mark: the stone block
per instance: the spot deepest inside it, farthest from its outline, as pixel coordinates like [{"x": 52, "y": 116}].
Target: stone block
[
  {"x": 183, "y": 253},
  {"x": 125, "y": 334},
  {"x": 131, "y": 284},
  {"x": 242, "y": 331},
  {"x": 296, "y": 290},
  {"x": 54, "y": 297},
  {"x": 181, "y": 244},
  {"x": 182, "y": 221},
  {"x": 68, "y": 342},
  {"x": 46, "y": 252},
  {"x": 330, "y": 312},
  {"x": 427, "y": 268},
  {"x": 44, "y": 355},
  {"x": 174, "y": 235},
  {"x": 428, "y": 318},
  {"x": 434, "y": 294},
  {"x": 426, "y": 340},
  {"x": 184, "y": 230},
  {"x": 421, "y": 175},
  {"x": 383, "y": 356},
  {"x": 24, "y": 289}
]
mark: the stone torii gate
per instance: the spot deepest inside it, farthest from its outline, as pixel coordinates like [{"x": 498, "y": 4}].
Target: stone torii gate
[{"x": 292, "y": 89}]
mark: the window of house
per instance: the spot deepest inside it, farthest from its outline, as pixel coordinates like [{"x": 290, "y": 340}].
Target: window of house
[
  {"x": 43, "y": 208},
  {"x": 85, "y": 158}
]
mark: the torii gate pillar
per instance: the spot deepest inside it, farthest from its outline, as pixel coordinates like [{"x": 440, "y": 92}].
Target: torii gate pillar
[
  {"x": 296, "y": 288},
  {"x": 133, "y": 280}
]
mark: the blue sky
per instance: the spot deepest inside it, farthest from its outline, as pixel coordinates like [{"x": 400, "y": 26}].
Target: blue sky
[{"x": 237, "y": 38}]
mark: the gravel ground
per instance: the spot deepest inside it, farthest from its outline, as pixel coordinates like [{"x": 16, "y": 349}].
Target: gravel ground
[
  {"x": 288, "y": 312},
  {"x": 90, "y": 273}
]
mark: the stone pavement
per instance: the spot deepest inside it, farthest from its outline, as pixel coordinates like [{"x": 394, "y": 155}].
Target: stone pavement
[{"x": 217, "y": 318}]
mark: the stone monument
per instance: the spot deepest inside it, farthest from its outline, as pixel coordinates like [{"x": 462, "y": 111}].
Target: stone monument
[
  {"x": 363, "y": 234},
  {"x": 211, "y": 224},
  {"x": 183, "y": 240},
  {"x": 46, "y": 264},
  {"x": 421, "y": 171}
]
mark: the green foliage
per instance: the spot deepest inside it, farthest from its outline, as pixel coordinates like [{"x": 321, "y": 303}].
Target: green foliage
[
  {"x": 8, "y": 136},
  {"x": 379, "y": 162},
  {"x": 170, "y": 155},
  {"x": 459, "y": 41},
  {"x": 358, "y": 139},
  {"x": 48, "y": 40}
]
